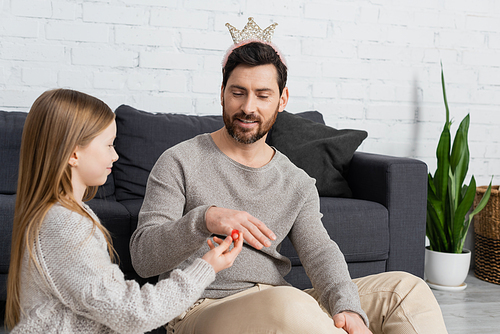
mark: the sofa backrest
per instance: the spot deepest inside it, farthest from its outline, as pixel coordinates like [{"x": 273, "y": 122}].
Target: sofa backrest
[
  {"x": 142, "y": 137},
  {"x": 11, "y": 130}
]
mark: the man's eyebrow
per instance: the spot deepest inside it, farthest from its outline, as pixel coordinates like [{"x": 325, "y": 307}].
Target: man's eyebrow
[
  {"x": 265, "y": 90},
  {"x": 258, "y": 90},
  {"x": 237, "y": 87}
]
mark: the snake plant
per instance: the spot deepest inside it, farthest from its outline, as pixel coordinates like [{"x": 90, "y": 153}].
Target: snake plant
[{"x": 449, "y": 200}]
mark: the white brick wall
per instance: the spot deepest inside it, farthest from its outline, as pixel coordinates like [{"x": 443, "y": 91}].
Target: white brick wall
[{"x": 371, "y": 65}]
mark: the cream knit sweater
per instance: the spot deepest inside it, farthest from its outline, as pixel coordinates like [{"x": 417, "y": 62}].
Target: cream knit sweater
[{"x": 82, "y": 291}]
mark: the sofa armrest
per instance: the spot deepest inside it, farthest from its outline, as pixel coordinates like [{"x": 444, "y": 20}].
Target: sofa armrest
[{"x": 400, "y": 184}]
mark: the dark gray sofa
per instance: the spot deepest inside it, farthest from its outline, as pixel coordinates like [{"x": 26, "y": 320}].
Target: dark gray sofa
[{"x": 381, "y": 228}]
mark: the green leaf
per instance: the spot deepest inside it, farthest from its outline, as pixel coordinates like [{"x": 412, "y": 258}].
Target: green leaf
[
  {"x": 459, "y": 160},
  {"x": 430, "y": 182},
  {"x": 444, "y": 96},
  {"x": 480, "y": 206},
  {"x": 435, "y": 230},
  {"x": 443, "y": 163},
  {"x": 460, "y": 225},
  {"x": 482, "y": 203}
]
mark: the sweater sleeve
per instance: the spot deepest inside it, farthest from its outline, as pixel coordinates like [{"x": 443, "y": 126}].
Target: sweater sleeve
[
  {"x": 323, "y": 261},
  {"x": 78, "y": 268},
  {"x": 162, "y": 221}
]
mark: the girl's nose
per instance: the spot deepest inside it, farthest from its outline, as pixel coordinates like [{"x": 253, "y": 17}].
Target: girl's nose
[{"x": 115, "y": 155}]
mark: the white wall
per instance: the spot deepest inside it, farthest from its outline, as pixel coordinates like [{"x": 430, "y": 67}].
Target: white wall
[{"x": 369, "y": 64}]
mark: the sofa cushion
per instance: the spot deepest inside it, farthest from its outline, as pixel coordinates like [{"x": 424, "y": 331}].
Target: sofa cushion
[
  {"x": 107, "y": 190},
  {"x": 299, "y": 279},
  {"x": 362, "y": 269},
  {"x": 322, "y": 151},
  {"x": 7, "y": 203},
  {"x": 363, "y": 235},
  {"x": 133, "y": 207},
  {"x": 116, "y": 219},
  {"x": 346, "y": 223},
  {"x": 142, "y": 137},
  {"x": 11, "y": 129},
  {"x": 365, "y": 245}
]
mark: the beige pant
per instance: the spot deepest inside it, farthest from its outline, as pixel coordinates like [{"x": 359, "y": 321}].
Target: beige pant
[{"x": 395, "y": 302}]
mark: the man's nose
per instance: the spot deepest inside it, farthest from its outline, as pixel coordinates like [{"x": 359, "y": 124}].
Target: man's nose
[{"x": 249, "y": 106}]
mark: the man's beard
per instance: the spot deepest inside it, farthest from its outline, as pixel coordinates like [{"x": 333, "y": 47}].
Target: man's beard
[{"x": 247, "y": 136}]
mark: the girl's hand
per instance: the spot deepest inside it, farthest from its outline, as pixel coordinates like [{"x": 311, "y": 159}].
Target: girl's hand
[
  {"x": 221, "y": 257},
  {"x": 235, "y": 234}
]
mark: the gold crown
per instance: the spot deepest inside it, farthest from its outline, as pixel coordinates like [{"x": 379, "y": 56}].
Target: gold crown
[{"x": 251, "y": 31}]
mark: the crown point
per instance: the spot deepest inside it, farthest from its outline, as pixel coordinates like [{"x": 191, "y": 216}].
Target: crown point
[{"x": 251, "y": 31}]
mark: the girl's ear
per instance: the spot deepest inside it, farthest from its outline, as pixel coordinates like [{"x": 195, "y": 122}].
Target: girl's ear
[{"x": 73, "y": 159}]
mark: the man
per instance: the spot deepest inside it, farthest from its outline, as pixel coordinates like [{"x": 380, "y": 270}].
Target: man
[{"x": 231, "y": 179}]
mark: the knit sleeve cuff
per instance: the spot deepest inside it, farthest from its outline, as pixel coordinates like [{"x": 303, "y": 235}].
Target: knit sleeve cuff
[
  {"x": 198, "y": 218},
  {"x": 201, "y": 271}
]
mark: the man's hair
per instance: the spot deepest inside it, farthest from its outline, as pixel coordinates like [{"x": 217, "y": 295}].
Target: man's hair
[{"x": 255, "y": 54}]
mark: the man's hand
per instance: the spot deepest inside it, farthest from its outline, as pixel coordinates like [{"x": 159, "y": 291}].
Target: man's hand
[
  {"x": 223, "y": 221},
  {"x": 351, "y": 322}
]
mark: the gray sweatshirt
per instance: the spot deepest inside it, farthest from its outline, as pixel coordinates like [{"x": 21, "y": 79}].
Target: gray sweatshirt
[
  {"x": 194, "y": 175},
  {"x": 81, "y": 291}
]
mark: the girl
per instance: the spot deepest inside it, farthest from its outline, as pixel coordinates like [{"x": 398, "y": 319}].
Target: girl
[{"x": 62, "y": 278}]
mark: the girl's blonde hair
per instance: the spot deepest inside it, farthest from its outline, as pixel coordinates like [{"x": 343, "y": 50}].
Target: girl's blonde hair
[{"x": 58, "y": 122}]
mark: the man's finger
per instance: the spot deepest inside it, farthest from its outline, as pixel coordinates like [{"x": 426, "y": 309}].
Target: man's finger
[
  {"x": 339, "y": 320},
  {"x": 262, "y": 228},
  {"x": 256, "y": 234},
  {"x": 252, "y": 240}
]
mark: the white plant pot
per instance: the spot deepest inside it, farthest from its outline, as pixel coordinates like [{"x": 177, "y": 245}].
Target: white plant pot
[{"x": 447, "y": 271}]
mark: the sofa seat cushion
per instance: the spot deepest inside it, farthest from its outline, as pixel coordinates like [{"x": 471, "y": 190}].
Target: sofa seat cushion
[
  {"x": 143, "y": 136},
  {"x": 346, "y": 222},
  {"x": 360, "y": 228}
]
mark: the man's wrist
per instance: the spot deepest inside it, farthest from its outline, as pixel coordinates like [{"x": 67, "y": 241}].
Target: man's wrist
[
  {"x": 205, "y": 220},
  {"x": 356, "y": 313}
]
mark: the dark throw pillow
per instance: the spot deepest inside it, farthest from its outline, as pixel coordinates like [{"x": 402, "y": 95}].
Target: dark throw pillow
[{"x": 321, "y": 151}]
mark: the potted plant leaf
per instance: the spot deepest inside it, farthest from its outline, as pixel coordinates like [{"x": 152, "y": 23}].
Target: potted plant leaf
[{"x": 449, "y": 204}]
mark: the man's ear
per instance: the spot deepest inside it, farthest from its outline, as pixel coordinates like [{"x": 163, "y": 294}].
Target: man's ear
[{"x": 283, "y": 99}]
